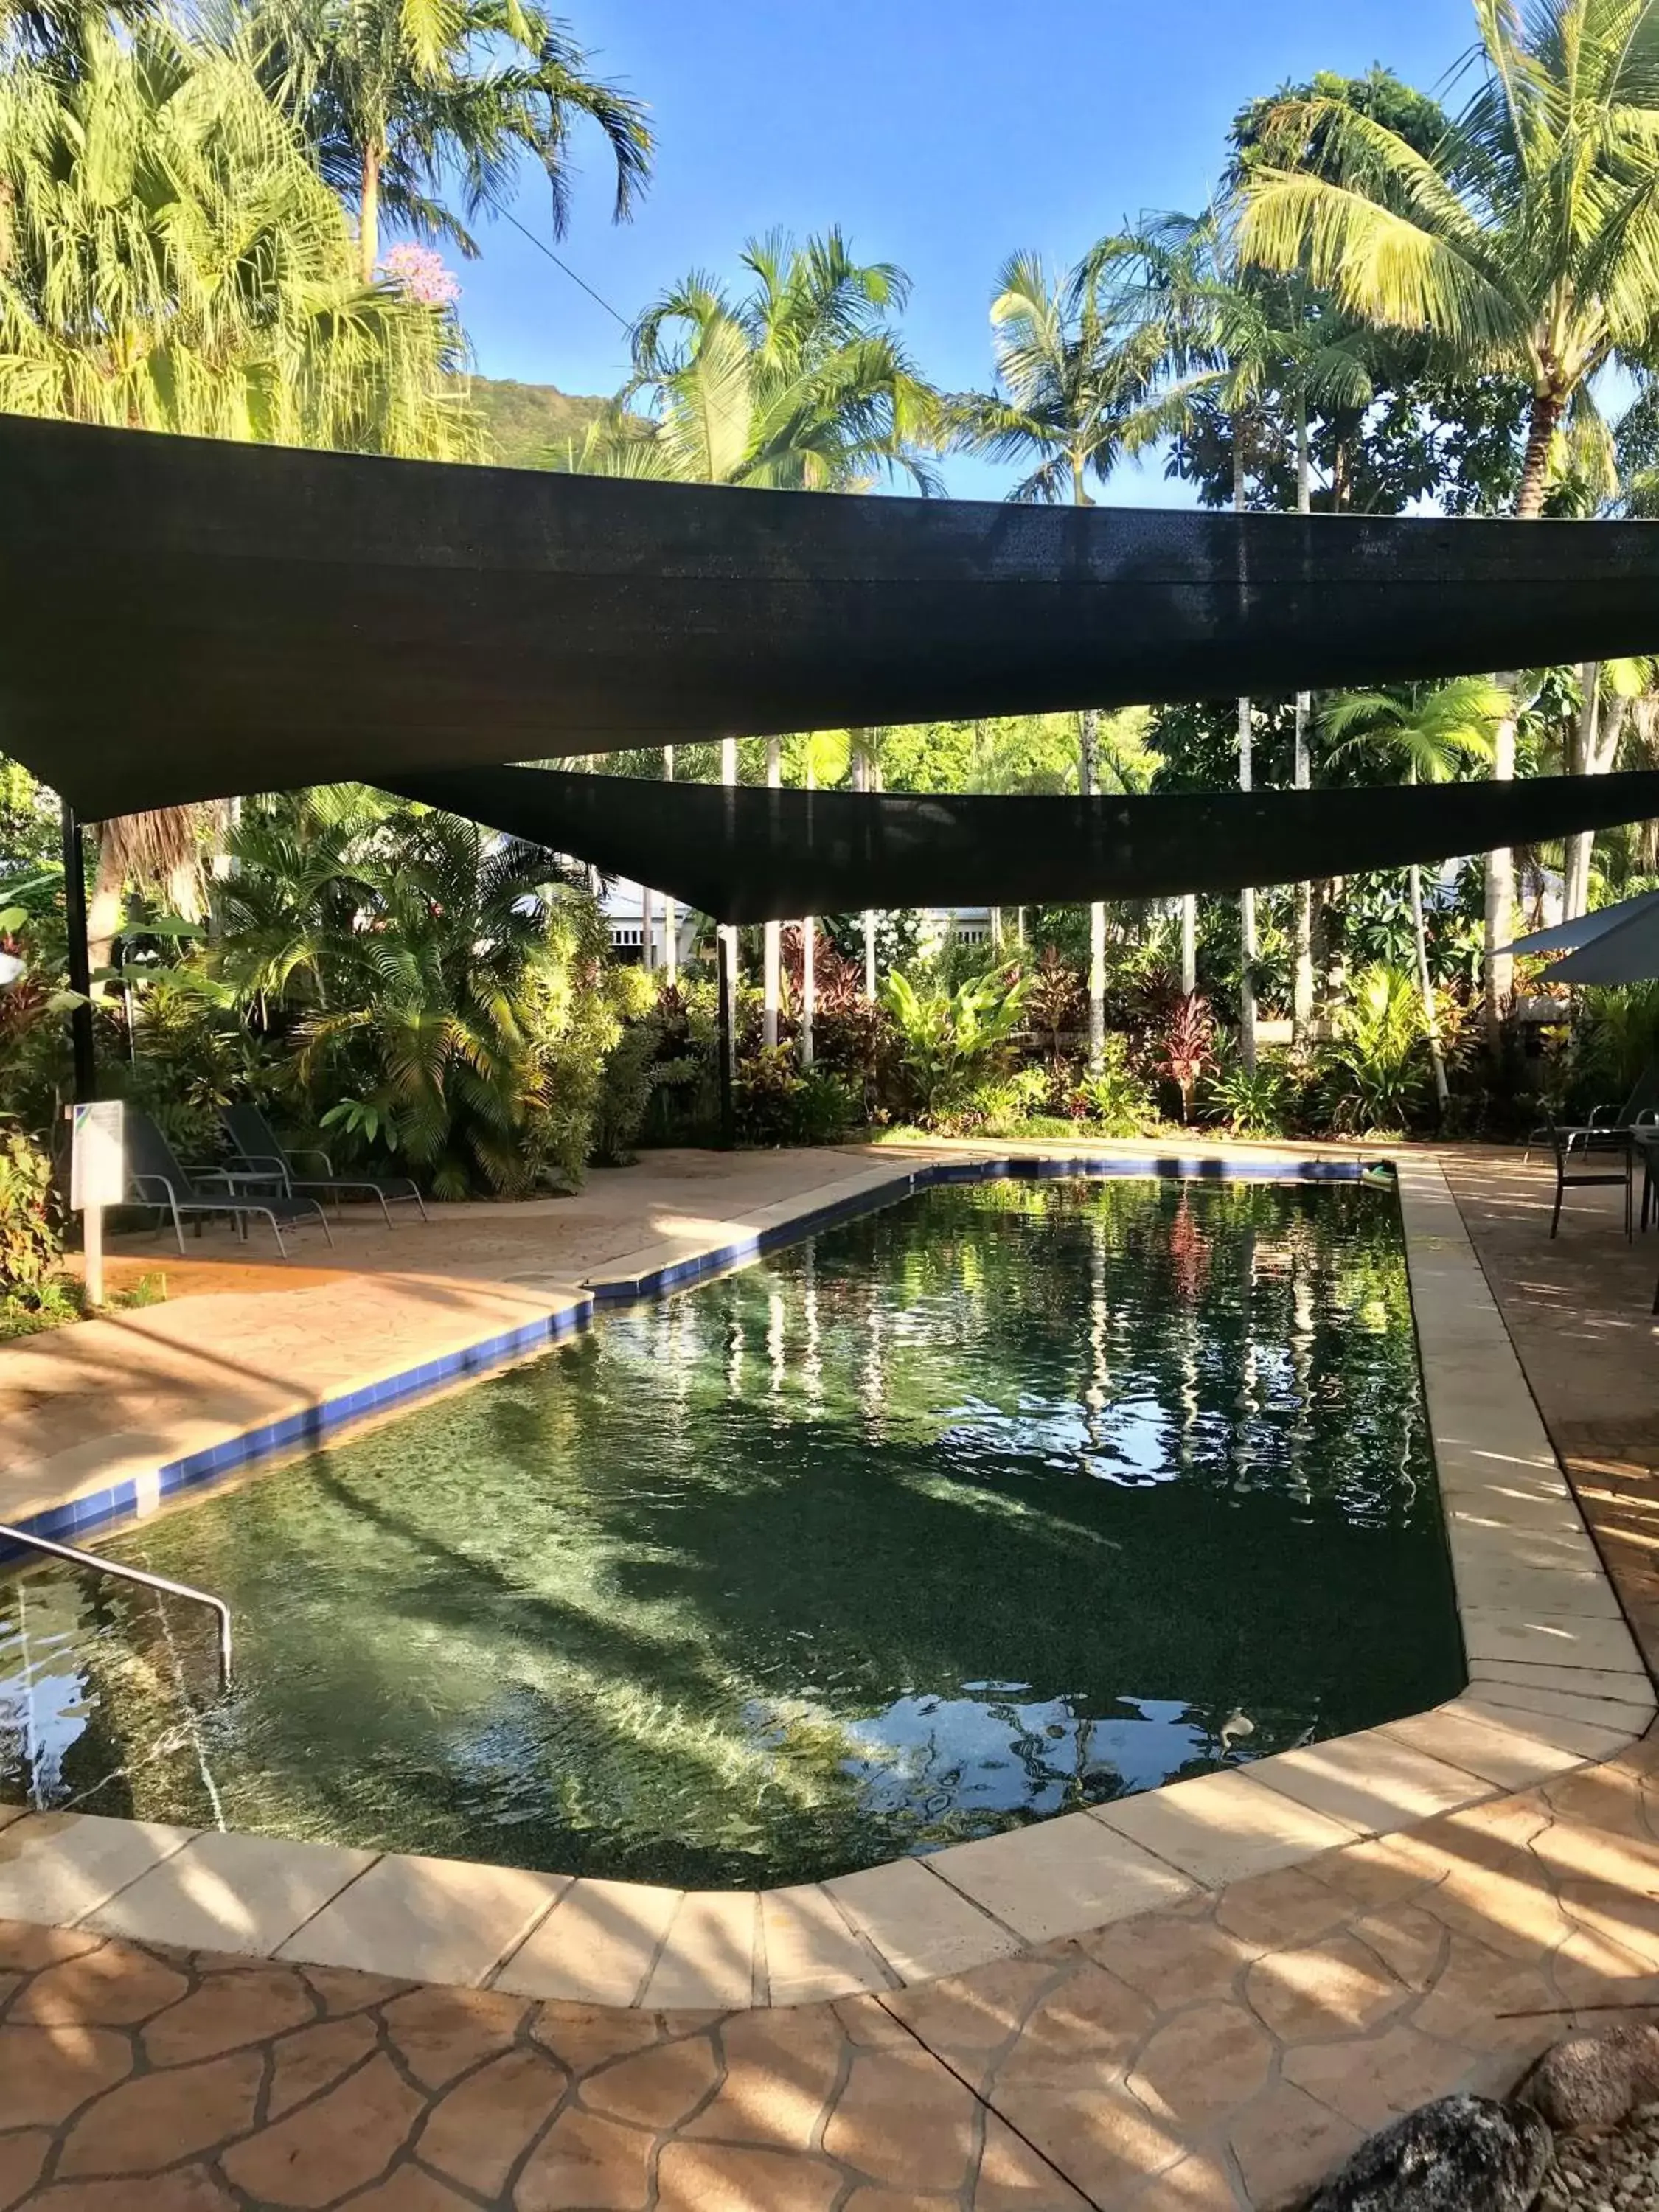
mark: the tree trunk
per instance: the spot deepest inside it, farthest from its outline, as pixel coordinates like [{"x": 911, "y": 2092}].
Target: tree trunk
[
  {"x": 1587, "y": 761},
  {"x": 1335, "y": 947},
  {"x": 726, "y": 935},
  {"x": 369, "y": 213},
  {"x": 1088, "y": 783},
  {"x": 671, "y": 917},
  {"x": 865, "y": 779},
  {"x": 1188, "y": 945},
  {"x": 1499, "y": 974},
  {"x": 1424, "y": 979},
  {"x": 771, "y": 933},
  {"x": 1302, "y": 971},
  {"x": 809, "y": 997},
  {"x": 104, "y": 910},
  {"x": 1247, "y": 941},
  {"x": 1546, "y": 409},
  {"x": 1246, "y": 898}
]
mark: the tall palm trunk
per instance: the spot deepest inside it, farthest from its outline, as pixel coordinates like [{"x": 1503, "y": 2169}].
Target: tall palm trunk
[
  {"x": 1500, "y": 872},
  {"x": 809, "y": 993},
  {"x": 771, "y": 933},
  {"x": 1188, "y": 945},
  {"x": 1302, "y": 982},
  {"x": 671, "y": 913},
  {"x": 368, "y": 212},
  {"x": 1597, "y": 748},
  {"x": 1089, "y": 738},
  {"x": 1088, "y": 777},
  {"x": 725, "y": 936},
  {"x": 864, "y": 780},
  {"x": 1424, "y": 979},
  {"x": 1247, "y": 943},
  {"x": 1546, "y": 408}
]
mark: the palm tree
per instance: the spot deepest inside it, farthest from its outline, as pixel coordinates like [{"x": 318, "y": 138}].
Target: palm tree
[
  {"x": 798, "y": 383},
  {"x": 1430, "y": 731},
  {"x": 396, "y": 98},
  {"x": 1274, "y": 351},
  {"x": 171, "y": 261},
  {"x": 1607, "y": 690},
  {"x": 421, "y": 966},
  {"x": 1525, "y": 244},
  {"x": 1080, "y": 387}
]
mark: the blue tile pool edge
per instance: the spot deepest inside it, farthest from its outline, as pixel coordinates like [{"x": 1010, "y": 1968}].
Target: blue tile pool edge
[{"x": 120, "y": 1503}]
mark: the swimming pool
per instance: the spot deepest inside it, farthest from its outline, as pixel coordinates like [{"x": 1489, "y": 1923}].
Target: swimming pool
[{"x": 1007, "y": 1498}]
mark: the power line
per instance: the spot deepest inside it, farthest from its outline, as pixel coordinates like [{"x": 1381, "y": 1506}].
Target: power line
[{"x": 541, "y": 247}]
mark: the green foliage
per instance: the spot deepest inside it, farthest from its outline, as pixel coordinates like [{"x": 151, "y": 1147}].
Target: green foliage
[
  {"x": 776, "y": 1104},
  {"x": 1619, "y": 1043},
  {"x": 1373, "y": 1070},
  {"x": 526, "y": 425},
  {"x": 28, "y": 825},
  {"x": 447, "y": 981},
  {"x": 632, "y": 1072},
  {"x": 799, "y": 383},
  {"x": 1253, "y": 1102},
  {"x": 175, "y": 263},
  {"x": 952, "y": 1039},
  {"x": 1115, "y": 1097},
  {"x": 31, "y": 1238},
  {"x": 399, "y": 100}
]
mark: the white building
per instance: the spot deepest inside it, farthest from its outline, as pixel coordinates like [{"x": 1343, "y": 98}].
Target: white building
[{"x": 623, "y": 906}]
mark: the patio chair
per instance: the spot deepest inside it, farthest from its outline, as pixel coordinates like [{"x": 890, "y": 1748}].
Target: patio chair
[
  {"x": 1571, "y": 1144},
  {"x": 157, "y": 1178},
  {"x": 260, "y": 1146}
]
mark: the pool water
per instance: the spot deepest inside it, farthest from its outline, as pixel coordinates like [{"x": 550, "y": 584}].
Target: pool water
[{"x": 1006, "y": 1499}]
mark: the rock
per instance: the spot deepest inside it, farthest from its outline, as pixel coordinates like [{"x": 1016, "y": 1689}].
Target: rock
[
  {"x": 1591, "y": 2082},
  {"x": 1461, "y": 2154}
]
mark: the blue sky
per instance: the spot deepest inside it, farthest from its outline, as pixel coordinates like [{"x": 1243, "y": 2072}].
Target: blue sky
[{"x": 940, "y": 138}]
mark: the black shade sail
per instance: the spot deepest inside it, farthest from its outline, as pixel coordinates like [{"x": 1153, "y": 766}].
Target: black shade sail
[
  {"x": 743, "y": 854},
  {"x": 182, "y": 619}
]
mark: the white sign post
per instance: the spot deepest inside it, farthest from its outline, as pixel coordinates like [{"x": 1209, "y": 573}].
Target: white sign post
[{"x": 98, "y": 1178}]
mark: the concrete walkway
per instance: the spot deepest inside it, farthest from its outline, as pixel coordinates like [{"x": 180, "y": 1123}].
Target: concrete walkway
[{"x": 1224, "y": 2053}]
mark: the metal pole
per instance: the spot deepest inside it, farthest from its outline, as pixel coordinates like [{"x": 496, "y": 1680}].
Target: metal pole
[
  {"x": 728, "y": 1043},
  {"x": 94, "y": 1562},
  {"x": 80, "y": 960}
]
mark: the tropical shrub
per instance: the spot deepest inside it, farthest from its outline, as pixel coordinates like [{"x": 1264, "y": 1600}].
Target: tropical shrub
[
  {"x": 1184, "y": 1045},
  {"x": 952, "y": 1039},
  {"x": 418, "y": 964},
  {"x": 1002, "y": 1106},
  {"x": 1253, "y": 1102},
  {"x": 1056, "y": 1004},
  {"x": 1115, "y": 1096},
  {"x": 776, "y": 1102},
  {"x": 31, "y": 1238},
  {"x": 1373, "y": 1071}
]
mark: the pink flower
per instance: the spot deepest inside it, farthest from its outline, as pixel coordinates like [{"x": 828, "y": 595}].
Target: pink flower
[{"x": 419, "y": 271}]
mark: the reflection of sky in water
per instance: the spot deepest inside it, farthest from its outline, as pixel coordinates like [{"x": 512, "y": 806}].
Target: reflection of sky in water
[
  {"x": 43, "y": 1705},
  {"x": 991, "y": 1753}
]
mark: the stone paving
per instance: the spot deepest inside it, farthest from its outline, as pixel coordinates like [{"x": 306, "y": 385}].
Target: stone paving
[
  {"x": 1219, "y": 2056},
  {"x": 1221, "y": 2053}
]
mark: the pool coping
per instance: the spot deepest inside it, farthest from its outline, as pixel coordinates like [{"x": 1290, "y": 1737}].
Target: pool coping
[{"x": 1556, "y": 1682}]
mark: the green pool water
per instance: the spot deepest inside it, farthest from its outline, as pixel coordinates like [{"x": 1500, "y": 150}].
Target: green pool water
[{"x": 1009, "y": 1498}]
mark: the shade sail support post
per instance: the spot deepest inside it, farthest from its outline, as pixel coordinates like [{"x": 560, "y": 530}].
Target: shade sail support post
[{"x": 80, "y": 960}]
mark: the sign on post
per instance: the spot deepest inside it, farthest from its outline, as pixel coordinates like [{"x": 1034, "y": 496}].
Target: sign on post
[{"x": 98, "y": 1178}]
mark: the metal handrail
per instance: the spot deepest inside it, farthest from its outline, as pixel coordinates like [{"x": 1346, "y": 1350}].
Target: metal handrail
[{"x": 101, "y": 1566}]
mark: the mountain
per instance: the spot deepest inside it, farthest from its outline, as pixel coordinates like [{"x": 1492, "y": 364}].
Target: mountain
[{"x": 524, "y": 420}]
